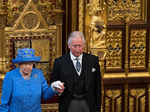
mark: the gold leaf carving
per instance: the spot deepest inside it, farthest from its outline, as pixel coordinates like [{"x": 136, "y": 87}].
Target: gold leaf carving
[
  {"x": 114, "y": 50},
  {"x": 138, "y": 49},
  {"x": 42, "y": 51},
  {"x": 137, "y": 97},
  {"x": 119, "y": 10}
]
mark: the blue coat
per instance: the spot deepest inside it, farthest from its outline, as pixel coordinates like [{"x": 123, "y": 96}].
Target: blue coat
[{"x": 20, "y": 95}]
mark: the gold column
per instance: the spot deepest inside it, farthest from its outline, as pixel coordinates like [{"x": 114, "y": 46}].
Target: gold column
[
  {"x": 149, "y": 97},
  {"x": 102, "y": 84},
  {"x": 126, "y": 97},
  {"x": 149, "y": 55},
  {"x": 74, "y": 15},
  {"x": 126, "y": 62},
  {"x": 127, "y": 44},
  {"x": 81, "y": 15},
  {"x": 3, "y": 14}
]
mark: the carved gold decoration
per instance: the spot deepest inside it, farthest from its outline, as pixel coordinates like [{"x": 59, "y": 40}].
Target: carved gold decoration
[
  {"x": 3, "y": 4},
  {"x": 137, "y": 92},
  {"x": 42, "y": 51},
  {"x": 47, "y": 39},
  {"x": 123, "y": 75},
  {"x": 21, "y": 44},
  {"x": 15, "y": 7},
  {"x": 3, "y": 67},
  {"x": 94, "y": 7},
  {"x": 113, "y": 99},
  {"x": 113, "y": 93},
  {"x": 3, "y": 14},
  {"x": 29, "y": 28},
  {"x": 48, "y": 51},
  {"x": 119, "y": 10},
  {"x": 30, "y": 20},
  {"x": 49, "y": 107},
  {"x": 126, "y": 65},
  {"x": 51, "y": 11},
  {"x": 114, "y": 50},
  {"x": 2, "y": 53},
  {"x": 96, "y": 28},
  {"x": 74, "y": 15},
  {"x": 107, "y": 105},
  {"x": 137, "y": 49},
  {"x": 149, "y": 96},
  {"x": 126, "y": 97},
  {"x": 137, "y": 97},
  {"x": 81, "y": 15},
  {"x": 97, "y": 32}
]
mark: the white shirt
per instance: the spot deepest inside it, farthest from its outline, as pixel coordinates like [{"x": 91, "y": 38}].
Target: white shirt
[{"x": 74, "y": 60}]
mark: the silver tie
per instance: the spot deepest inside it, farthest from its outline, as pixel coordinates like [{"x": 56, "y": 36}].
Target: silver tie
[{"x": 78, "y": 65}]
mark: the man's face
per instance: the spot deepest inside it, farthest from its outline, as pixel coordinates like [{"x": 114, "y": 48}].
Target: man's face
[
  {"x": 26, "y": 68},
  {"x": 77, "y": 46}
]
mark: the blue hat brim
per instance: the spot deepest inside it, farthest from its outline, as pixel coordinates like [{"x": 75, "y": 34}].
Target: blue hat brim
[{"x": 23, "y": 60}]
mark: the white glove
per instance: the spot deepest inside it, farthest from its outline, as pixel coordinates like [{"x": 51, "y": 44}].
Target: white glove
[{"x": 56, "y": 84}]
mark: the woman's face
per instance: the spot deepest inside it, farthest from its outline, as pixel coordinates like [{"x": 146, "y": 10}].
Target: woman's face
[{"x": 26, "y": 68}]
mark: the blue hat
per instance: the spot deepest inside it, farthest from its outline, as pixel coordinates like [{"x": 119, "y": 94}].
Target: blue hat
[{"x": 26, "y": 55}]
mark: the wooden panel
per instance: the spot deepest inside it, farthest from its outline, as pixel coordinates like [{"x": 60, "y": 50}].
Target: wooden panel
[
  {"x": 126, "y": 94},
  {"x": 113, "y": 98},
  {"x": 50, "y": 107}
]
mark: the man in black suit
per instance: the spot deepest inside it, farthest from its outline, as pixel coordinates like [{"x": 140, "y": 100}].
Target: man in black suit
[{"x": 80, "y": 74}]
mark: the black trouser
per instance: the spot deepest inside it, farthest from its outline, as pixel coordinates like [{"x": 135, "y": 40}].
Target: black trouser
[{"x": 78, "y": 105}]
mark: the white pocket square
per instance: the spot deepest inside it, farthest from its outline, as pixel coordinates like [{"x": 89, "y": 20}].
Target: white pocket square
[{"x": 93, "y": 69}]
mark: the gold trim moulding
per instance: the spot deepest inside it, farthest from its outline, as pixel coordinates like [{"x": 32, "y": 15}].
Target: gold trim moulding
[
  {"x": 53, "y": 106},
  {"x": 58, "y": 11},
  {"x": 2, "y": 76},
  {"x": 123, "y": 75},
  {"x": 8, "y": 29},
  {"x": 139, "y": 74},
  {"x": 114, "y": 75}
]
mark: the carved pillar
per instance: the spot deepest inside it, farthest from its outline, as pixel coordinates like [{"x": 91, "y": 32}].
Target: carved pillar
[
  {"x": 95, "y": 32},
  {"x": 81, "y": 22},
  {"x": 3, "y": 15}
]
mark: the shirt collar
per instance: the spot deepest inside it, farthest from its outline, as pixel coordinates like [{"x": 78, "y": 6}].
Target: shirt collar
[{"x": 74, "y": 57}]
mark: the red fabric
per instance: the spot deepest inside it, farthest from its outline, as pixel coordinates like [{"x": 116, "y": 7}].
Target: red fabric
[{"x": 54, "y": 99}]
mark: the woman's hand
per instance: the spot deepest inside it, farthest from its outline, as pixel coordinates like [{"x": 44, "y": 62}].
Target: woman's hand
[{"x": 58, "y": 86}]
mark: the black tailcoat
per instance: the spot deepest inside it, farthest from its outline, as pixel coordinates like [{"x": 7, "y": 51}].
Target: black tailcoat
[{"x": 64, "y": 71}]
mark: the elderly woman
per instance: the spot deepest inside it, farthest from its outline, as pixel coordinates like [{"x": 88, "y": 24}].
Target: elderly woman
[{"x": 24, "y": 86}]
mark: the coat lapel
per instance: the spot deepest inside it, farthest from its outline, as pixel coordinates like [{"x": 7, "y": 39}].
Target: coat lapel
[
  {"x": 72, "y": 71},
  {"x": 70, "y": 63},
  {"x": 84, "y": 64},
  {"x": 85, "y": 69}
]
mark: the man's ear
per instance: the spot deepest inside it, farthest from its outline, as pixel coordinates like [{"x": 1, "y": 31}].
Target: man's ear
[{"x": 69, "y": 46}]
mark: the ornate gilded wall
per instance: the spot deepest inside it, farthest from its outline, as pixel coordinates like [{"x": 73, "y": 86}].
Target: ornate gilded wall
[
  {"x": 34, "y": 24},
  {"x": 116, "y": 30},
  {"x": 31, "y": 23}
]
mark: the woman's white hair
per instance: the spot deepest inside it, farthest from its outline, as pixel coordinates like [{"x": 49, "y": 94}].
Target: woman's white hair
[{"x": 75, "y": 34}]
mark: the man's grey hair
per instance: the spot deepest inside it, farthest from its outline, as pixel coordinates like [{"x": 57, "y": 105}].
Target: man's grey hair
[{"x": 74, "y": 35}]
